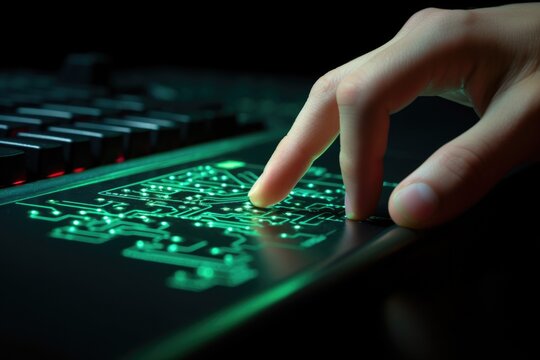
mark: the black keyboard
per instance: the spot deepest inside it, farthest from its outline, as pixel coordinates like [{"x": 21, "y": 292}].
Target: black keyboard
[{"x": 55, "y": 125}]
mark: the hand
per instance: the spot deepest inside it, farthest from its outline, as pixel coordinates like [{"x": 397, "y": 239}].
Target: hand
[{"x": 486, "y": 58}]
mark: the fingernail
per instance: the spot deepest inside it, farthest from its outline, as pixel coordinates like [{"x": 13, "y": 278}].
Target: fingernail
[
  {"x": 416, "y": 202},
  {"x": 349, "y": 214}
]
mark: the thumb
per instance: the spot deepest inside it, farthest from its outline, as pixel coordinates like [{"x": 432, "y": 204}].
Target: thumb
[{"x": 458, "y": 174}]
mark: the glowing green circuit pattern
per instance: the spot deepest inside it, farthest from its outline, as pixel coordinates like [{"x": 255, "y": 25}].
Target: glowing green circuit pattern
[{"x": 226, "y": 230}]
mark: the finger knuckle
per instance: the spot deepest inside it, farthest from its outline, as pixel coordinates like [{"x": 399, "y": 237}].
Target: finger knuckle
[
  {"x": 325, "y": 85},
  {"x": 462, "y": 162},
  {"x": 445, "y": 26}
]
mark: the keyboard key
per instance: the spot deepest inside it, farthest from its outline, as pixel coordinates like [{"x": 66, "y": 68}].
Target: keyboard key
[
  {"x": 11, "y": 129},
  {"x": 164, "y": 135},
  {"x": 43, "y": 159},
  {"x": 137, "y": 141},
  {"x": 77, "y": 149},
  {"x": 33, "y": 123},
  {"x": 47, "y": 113},
  {"x": 13, "y": 165},
  {"x": 107, "y": 147},
  {"x": 124, "y": 106},
  {"x": 81, "y": 112}
]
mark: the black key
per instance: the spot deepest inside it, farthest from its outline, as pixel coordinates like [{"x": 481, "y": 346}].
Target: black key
[
  {"x": 164, "y": 135},
  {"x": 106, "y": 145},
  {"x": 43, "y": 159},
  {"x": 120, "y": 105},
  {"x": 137, "y": 141},
  {"x": 201, "y": 125},
  {"x": 13, "y": 165},
  {"x": 80, "y": 112},
  {"x": 64, "y": 116},
  {"x": 33, "y": 123},
  {"x": 194, "y": 128},
  {"x": 77, "y": 149},
  {"x": 11, "y": 129}
]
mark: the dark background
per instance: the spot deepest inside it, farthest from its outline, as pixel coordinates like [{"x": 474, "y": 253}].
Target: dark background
[{"x": 268, "y": 37}]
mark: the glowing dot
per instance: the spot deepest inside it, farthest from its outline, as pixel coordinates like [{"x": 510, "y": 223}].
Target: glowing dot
[
  {"x": 223, "y": 177},
  {"x": 72, "y": 229},
  {"x": 273, "y": 217},
  {"x": 234, "y": 190},
  {"x": 176, "y": 239},
  {"x": 76, "y": 222},
  {"x": 223, "y": 185},
  {"x": 100, "y": 199},
  {"x": 288, "y": 213},
  {"x": 56, "y": 212},
  {"x": 144, "y": 190},
  {"x": 297, "y": 204},
  {"x": 112, "y": 231},
  {"x": 228, "y": 259},
  {"x": 239, "y": 209},
  {"x": 169, "y": 188},
  {"x": 164, "y": 223},
  {"x": 139, "y": 244},
  {"x": 33, "y": 212},
  {"x": 126, "y": 190},
  {"x": 198, "y": 224},
  {"x": 146, "y": 220},
  {"x": 211, "y": 194},
  {"x": 119, "y": 208},
  {"x": 242, "y": 187},
  {"x": 246, "y": 228},
  {"x": 215, "y": 251},
  {"x": 225, "y": 209},
  {"x": 121, "y": 216},
  {"x": 172, "y": 248},
  {"x": 229, "y": 229},
  {"x": 310, "y": 185},
  {"x": 153, "y": 186},
  {"x": 210, "y": 224},
  {"x": 172, "y": 177},
  {"x": 144, "y": 194},
  {"x": 292, "y": 192},
  {"x": 205, "y": 272},
  {"x": 328, "y": 191},
  {"x": 261, "y": 220},
  {"x": 82, "y": 212},
  {"x": 99, "y": 210},
  {"x": 283, "y": 235},
  {"x": 180, "y": 276},
  {"x": 297, "y": 227},
  {"x": 201, "y": 190},
  {"x": 197, "y": 185}
]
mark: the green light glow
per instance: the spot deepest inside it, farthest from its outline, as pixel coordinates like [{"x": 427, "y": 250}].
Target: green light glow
[{"x": 149, "y": 209}]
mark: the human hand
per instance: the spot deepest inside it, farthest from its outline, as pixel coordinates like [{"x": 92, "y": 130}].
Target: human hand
[{"x": 486, "y": 58}]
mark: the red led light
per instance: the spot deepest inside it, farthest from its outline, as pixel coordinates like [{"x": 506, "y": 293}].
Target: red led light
[
  {"x": 120, "y": 158},
  {"x": 79, "y": 169},
  {"x": 56, "y": 174},
  {"x": 18, "y": 182}
]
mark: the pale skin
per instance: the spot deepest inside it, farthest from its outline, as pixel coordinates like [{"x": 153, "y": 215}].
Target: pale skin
[{"x": 485, "y": 58}]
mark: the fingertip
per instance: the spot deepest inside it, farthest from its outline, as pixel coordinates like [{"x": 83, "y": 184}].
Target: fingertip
[{"x": 414, "y": 205}]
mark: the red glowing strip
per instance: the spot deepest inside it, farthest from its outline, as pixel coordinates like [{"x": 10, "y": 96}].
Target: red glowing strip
[
  {"x": 79, "y": 169},
  {"x": 56, "y": 174},
  {"x": 120, "y": 158},
  {"x": 18, "y": 182}
]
